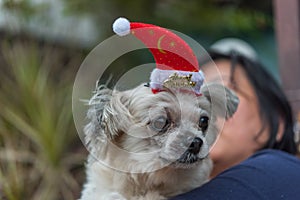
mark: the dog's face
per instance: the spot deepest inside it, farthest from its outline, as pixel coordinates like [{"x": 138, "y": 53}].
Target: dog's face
[{"x": 169, "y": 128}]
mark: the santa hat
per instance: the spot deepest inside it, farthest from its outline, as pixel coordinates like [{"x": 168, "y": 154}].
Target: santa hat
[{"x": 176, "y": 64}]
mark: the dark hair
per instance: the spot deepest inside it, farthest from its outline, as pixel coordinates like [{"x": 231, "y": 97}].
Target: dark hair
[{"x": 273, "y": 104}]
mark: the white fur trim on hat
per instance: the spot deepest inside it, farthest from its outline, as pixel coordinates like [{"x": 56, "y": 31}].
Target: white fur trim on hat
[
  {"x": 158, "y": 77},
  {"x": 121, "y": 26}
]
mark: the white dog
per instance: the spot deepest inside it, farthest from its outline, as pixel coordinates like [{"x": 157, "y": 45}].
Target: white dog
[{"x": 151, "y": 146}]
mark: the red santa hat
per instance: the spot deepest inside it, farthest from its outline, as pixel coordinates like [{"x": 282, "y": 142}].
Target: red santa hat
[{"x": 176, "y": 64}]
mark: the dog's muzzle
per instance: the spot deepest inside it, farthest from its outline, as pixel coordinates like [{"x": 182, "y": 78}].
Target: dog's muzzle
[{"x": 191, "y": 154}]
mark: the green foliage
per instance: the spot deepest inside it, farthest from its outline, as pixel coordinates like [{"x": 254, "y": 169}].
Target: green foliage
[
  {"x": 25, "y": 9},
  {"x": 36, "y": 126},
  {"x": 199, "y": 16},
  {"x": 212, "y": 18}
]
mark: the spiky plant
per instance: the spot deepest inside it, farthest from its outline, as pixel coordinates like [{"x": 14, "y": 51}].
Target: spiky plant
[{"x": 37, "y": 134}]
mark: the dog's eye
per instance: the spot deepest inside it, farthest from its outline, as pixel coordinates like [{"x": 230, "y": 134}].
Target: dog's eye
[
  {"x": 160, "y": 124},
  {"x": 203, "y": 123}
]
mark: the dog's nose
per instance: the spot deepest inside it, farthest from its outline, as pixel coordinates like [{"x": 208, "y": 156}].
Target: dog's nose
[{"x": 195, "y": 146}]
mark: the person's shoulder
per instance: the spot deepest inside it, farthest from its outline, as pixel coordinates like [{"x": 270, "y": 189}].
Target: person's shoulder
[
  {"x": 271, "y": 158},
  {"x": 267, "y": 163},
  {"x": 268, "y": 174},
  {"x": 274, "y": 153}
]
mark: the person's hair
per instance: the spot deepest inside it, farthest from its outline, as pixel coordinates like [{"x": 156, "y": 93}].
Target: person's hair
[{"x": 273, "y": 104}]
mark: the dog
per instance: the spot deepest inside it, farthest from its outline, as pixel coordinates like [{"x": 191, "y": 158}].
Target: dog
[{"x": 146, "y": 146}]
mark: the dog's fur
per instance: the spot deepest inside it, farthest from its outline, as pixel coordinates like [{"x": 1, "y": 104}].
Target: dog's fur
[{"x": 129, "y": 159}]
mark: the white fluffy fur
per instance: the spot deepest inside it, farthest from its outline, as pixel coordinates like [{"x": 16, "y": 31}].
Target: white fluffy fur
[{"x": 129, "y": 161}]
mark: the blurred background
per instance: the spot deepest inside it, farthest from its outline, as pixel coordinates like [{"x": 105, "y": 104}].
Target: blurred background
[{"x": 42, "y": 45}]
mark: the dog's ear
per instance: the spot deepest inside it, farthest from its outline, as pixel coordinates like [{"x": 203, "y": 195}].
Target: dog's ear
[
  {"x": 99, "y": 101},
  {"x": 94, "y": 130},
  {"x": 108, "y": 113},
  {"x": 223, "y": 100}
]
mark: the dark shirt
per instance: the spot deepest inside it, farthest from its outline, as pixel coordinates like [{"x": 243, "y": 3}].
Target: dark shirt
[{"x": 268, "y": 174}]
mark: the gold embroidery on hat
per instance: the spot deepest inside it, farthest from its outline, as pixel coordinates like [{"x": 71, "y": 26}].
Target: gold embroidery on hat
[{"x": 179, "y": 81}]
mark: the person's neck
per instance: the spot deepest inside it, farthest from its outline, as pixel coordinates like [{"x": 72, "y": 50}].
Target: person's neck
[
  {"x": 216, "y": 170},
  {"x": 219, "y": 168}
]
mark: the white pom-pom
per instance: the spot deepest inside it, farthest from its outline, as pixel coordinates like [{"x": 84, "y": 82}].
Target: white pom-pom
[{"x": 121, "y": 26}]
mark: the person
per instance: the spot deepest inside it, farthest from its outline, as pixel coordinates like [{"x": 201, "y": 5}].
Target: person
[
  {"x": 264, "y": 117},
  {"x": 254, "y": 157}
]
